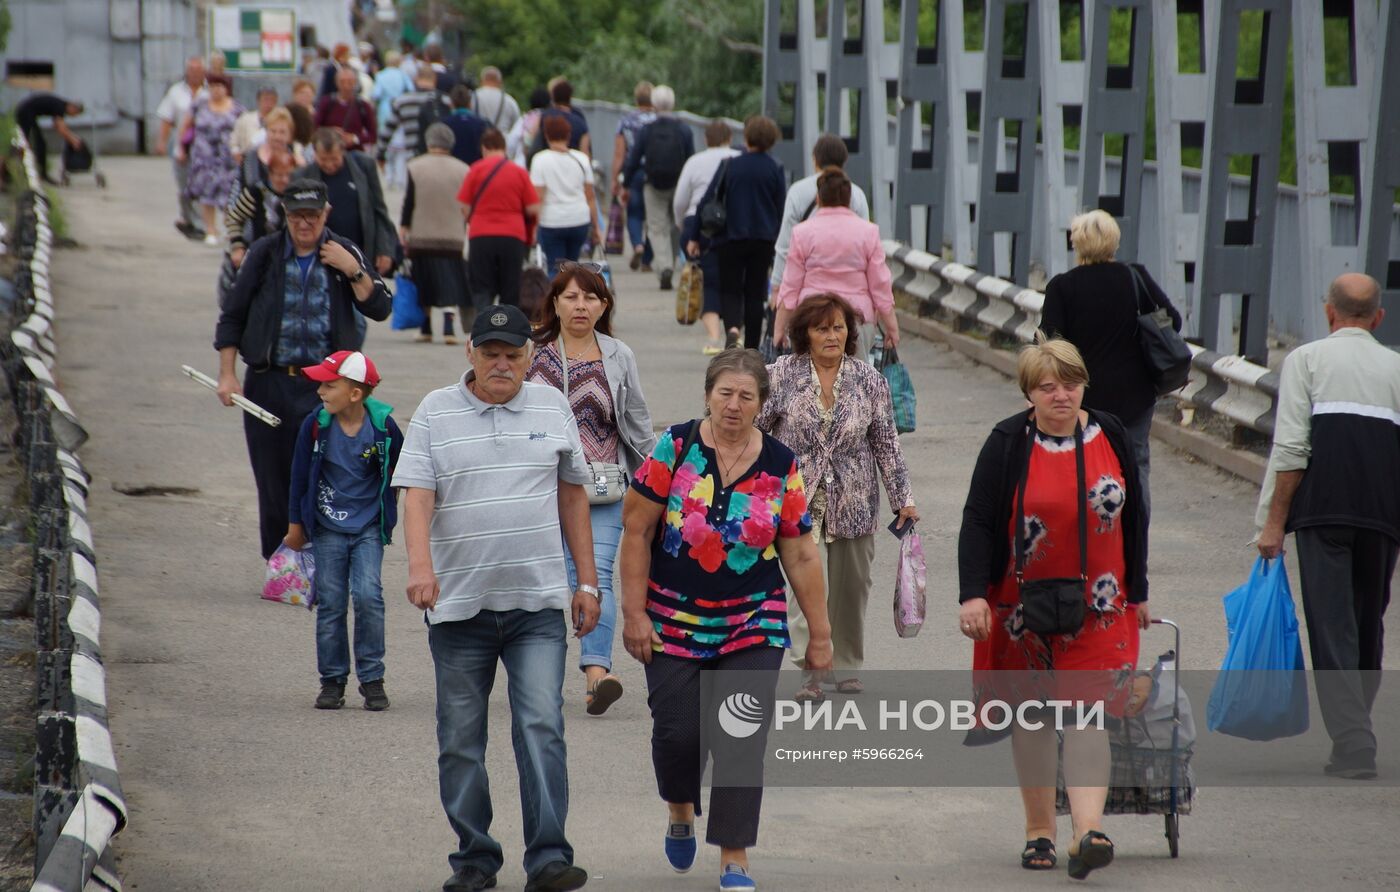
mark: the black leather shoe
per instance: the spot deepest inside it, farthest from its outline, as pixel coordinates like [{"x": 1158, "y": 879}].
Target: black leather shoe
[
  {"x": 469, "y": 879},
  {"x": 556, "y": 876}
]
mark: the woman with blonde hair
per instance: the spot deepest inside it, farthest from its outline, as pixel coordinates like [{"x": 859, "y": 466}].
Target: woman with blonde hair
[
  {"x": 1095, "y": 307},
  {"x": 1052, "y": 583}
]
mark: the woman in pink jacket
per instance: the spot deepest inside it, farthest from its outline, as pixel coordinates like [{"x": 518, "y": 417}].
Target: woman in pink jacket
[{"x": 835, "y": 251}]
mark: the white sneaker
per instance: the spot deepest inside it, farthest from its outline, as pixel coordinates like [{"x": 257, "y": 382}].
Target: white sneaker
[{"x": 211, "y": 240}]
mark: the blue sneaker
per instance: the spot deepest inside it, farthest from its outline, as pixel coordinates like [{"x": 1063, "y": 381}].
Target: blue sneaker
[
  {"x": 735, "y": 879},
  {"x": 680, "y": 846}
]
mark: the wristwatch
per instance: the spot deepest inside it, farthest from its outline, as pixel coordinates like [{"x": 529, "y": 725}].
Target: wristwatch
[
  {"x": 359, "y": 274},
  {"x": 591, "y": 590}
]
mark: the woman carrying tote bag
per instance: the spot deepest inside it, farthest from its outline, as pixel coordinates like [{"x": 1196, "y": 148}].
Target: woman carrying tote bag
[{"x": 1095, "y": 307}]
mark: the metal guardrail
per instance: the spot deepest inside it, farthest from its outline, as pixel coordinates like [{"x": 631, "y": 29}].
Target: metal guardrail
[
  {"x": 78, "y": 801},
  {"x": 1229, "y": 386}
]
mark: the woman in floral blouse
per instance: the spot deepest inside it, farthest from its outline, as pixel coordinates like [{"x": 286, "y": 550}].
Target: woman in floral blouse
[
  {"x": 834, "y": 411},
  {"x": 707, "y": 594}
]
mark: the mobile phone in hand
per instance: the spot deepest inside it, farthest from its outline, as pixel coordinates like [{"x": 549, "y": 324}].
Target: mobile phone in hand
[{"x": 900, "y": 531}]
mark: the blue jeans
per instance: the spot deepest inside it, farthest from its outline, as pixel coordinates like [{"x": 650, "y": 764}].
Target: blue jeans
[
  {"x": 561, "y": 243},
  {"x": 637, "y": 216},
  {"x": 596, "y": 646},
  {"x": 347, "y": 566},
  {"x": 532, "y": 647}
]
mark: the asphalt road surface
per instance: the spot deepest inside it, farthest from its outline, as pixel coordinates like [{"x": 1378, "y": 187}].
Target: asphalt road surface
[{"x": 236, "y": 783}]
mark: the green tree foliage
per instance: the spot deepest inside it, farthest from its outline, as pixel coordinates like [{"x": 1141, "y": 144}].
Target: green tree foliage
[{"x": 708, "y": 50}]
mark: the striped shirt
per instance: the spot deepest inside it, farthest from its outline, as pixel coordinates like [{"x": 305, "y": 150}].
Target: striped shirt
[
  {"x": 403, "y": 114},
  {"x": 494, "y": 469}
]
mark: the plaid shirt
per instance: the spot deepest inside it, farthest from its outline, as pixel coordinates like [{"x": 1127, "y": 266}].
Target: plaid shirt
[{"x": 305, "y": 336}]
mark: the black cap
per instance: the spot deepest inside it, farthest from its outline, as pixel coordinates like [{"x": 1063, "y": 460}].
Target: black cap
[
  {"x": 304, "y": 194},
  {"x": 500, "y": 323}
]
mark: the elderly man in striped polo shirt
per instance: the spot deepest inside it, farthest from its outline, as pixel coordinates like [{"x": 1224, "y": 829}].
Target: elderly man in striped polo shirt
[{"x": 493, "y": 470}]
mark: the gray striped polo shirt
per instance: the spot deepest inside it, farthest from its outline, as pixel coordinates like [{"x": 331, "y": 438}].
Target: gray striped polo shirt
[{"x": 495, "y": 470}]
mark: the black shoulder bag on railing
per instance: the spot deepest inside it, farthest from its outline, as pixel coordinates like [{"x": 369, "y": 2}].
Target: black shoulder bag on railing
[
  {"x": 1167, "y": 356},
  {"x": 1053, "y": 606}
]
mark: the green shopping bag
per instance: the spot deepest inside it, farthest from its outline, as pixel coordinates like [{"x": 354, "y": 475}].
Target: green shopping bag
[{"x": 901, "y": 388}]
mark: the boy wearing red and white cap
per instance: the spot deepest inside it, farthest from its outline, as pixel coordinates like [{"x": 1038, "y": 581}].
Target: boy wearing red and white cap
[{"x": 343, "y": 505}]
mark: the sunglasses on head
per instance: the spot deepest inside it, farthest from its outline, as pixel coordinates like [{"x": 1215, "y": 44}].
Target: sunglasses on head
[{"x": 592, "y": 266}]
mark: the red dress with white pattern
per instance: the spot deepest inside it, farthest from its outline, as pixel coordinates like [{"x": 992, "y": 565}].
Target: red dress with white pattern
[{"x": 1108, "y": 639}]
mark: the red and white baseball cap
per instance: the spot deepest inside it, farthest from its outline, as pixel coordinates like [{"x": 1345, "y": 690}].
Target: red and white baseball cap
[{"x": 349, "y": 364}]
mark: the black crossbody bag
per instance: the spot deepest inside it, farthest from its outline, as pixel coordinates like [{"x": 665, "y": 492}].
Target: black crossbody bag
[{"x": 1053, "y": 606}]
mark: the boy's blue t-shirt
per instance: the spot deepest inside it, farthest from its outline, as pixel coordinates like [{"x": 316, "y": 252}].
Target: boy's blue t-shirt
[{"x": 347, "y": 495}]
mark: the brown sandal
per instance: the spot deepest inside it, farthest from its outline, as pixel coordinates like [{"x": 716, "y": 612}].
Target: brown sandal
[
  {"x": 850, "y": 686},
  {"x": 602, "y": 695}
]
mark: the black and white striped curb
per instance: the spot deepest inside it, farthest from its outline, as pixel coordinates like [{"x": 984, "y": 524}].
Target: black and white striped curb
[
  {"x": 79, "y": 858},
  {"x": 1229, "y": 386}
]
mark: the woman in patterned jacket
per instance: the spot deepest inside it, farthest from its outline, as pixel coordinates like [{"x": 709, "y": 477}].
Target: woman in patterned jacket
[
  {"x": 576, "y": 353},
  {"x": 834, "y": 411}
]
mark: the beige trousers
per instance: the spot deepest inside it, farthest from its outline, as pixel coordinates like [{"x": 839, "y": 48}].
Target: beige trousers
[
  {"x": 661, "y": 223},
  {"x": 846, "y": 563}
]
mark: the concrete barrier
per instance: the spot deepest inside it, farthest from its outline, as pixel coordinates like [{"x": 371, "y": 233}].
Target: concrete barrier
[
  {"x": 78, "y": 800},
  {"x": 1229, "y": 386}
]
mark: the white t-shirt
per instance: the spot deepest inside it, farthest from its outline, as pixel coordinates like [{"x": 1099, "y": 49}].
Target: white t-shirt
[
  {"x": 173, "y": 108},
  {"x": 562, "y": 175}
]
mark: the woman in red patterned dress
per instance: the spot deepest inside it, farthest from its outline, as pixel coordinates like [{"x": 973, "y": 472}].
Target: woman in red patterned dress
[{"x": 1102, "y": 653}]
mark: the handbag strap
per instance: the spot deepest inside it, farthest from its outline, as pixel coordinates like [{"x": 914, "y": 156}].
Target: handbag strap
[
  {"x": 564, "y": 359},
  {"x": 723, "y": 188},
  {"x": 476, "y": 199},
  {"x": 690, "y": 439},
  {"x": 1079, "y": 498},
  {"x": 1140, "y": 290}
]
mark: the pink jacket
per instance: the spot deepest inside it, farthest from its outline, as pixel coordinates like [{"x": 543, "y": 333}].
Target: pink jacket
[{"x": 835, "y": 250}]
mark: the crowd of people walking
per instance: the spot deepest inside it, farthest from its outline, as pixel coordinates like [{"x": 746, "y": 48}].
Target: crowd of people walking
[{"x": 537, "y": 496}]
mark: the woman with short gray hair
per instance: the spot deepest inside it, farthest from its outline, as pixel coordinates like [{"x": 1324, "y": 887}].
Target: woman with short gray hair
[{"x": 433, "y": 233}]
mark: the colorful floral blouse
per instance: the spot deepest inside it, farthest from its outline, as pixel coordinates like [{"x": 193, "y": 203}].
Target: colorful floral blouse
[{"x": 715, "y": 585}]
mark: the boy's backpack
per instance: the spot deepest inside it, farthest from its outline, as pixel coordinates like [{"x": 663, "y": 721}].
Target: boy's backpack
[
  {"x": 431, "y": 112},
  {"x": 664, "y": 152}
]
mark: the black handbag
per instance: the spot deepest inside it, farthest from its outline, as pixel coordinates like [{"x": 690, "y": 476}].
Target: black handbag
[
  {"x": 1053, "y": 606},
  {"x": 1167, "y": 356},
  {"x": 714, "y": 215}
]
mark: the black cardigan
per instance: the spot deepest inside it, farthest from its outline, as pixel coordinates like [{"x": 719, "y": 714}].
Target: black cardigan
[
  {"x": 1095, "y": 308},
  {"x": 984, "y": 546}
]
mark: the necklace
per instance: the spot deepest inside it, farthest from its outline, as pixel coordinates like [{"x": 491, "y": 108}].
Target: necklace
[
  {"x": 728, "y": 467},
  {"x": 581, "y": 353}
]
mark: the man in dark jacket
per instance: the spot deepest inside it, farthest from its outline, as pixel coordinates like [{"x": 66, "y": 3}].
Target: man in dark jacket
[
  {"x": 294, "y": 302},
  {"x": 46, "y": 105},
  {"x": 358, "y": 212}
]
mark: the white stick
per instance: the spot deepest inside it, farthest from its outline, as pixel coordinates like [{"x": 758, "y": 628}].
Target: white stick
[{"x": 239, "y": 400}]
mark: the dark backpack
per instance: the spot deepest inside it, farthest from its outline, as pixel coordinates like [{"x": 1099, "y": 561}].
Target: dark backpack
[
  {"x": 431, "y": 112},
  {"x": 664, "y": 152}
]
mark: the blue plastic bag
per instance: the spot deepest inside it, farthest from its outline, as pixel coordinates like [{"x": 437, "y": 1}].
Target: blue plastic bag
[
  {"x": 407, "y": 313},
  {"x": 1262, "y": 690}
]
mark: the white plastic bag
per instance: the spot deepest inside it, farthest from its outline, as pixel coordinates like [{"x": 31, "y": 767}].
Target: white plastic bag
[
  {"x": 290, "y": 577},
  {"x": 910, "y": 587}
]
